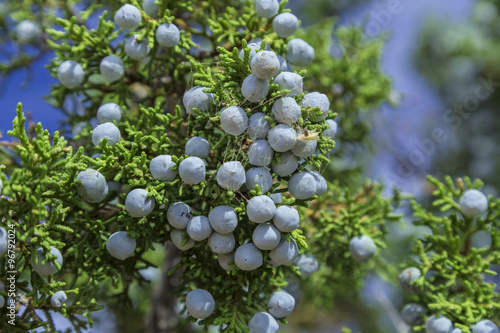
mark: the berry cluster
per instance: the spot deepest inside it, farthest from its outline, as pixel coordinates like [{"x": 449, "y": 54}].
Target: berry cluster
[
  {"x": 71, "y": 74},
  {"x": 277, "y": 146},
  {"x": 282, "y": 133}
]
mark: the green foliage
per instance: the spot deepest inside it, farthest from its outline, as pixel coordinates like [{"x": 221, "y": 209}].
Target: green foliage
[
  {"x": 355, "y": 85},
  {"x": 453, "y": 268},
  {"x": 459, "y": 59},
  {"x": 333, "y": 220},
  {"x": 39, "y": 200}
]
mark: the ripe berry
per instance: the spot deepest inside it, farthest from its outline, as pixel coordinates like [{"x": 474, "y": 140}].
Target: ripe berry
[
  {"x": 485, "y": 326},
  {"x": 221, "y": 243},
  {"x": 261, "y": 209},
  {"x": 286, "y": 218},
  {"x": 112, "y": 68},
  {"x": 302, "y": 185},
  {"x": 200, "y": 303},
  {"x": 288, "y": 165},
  {"x": 223, "y": 219},
  {"x": 286, "y": 110},
  {"x": 196, "y": 98},
  {"x": 277, "y": 198},
  {"x": 260, "y": 153},
  {"x": 265, "y": 65},
  {"x": 321, "y": 185},
  {"x": 161, "y": 168},
  {"x": 285, "y": 253},
  {"x": 4, "y": 242},
  {"x": 438, "y": 325},
  {"x": 259, "y": 176},
  {"x": 282, "y": 138},
  {"x": 120, "y": 245},
  {"x": 332, "y": 130},
  {"x": 315, "y": 99},
  {"x": 473, "y": 203},
  {"x": 192, "y": 170},
  {"x": 58, "y": 299},
  {"x": 234, "y": 120},
  {"x": 231, "y": 175},
  {"x": 168, "y": 35},
  {"x": 362, "y": 248},
  {"x": 308, "y": 265},
  {"x": 178, "y": 215},
  {"x": 267, "y": 8},
  {"x": 135, "y": 49},
  {"x": 407, "y": 278},
  {"x": 280, "y": 304},
  {"x": 177, "y": 236},
  {"x": 248, "y": 257},
  {"x": 258, "y": 127},
  {"x": 70, "y": 74},
  {"x": 299, "y": 53},
  {"x": 28, "y": 31},
  {"x": 254, "y": 48},
  {"x": 199, "y": 228},
  {"x": 254, "y": 89},
  {"x": 94, "y": 187},
  {"x": 258, "y": 41},
  {"x": 106, "y": 130},
  {"x": 263, "y": 322},
  {"x": 283, "y": 64},
  {"x": 128, "y": 17},
  {"x": 151, "y": 8},
  {"x": 303, "y": 147},
  {"x": 412, "y": 314},
  {"x": 285, "y": 24},
  {"x": 266, "y": 236},
  {"x": 290, "y": 81},
  {"x": 198, "y": 146},
  {"x": 138, "y": 204},
  {"x": 109, "y": 112},
  {"x": 48, "y": 268},
  {"x": 224, "y": 260}
]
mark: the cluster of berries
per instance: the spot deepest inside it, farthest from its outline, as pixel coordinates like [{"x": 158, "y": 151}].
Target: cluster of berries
[
  {"x": 71, "y": 74},
  {"x": 473, "y": 203},
  {"x": 285, "y": 138},
  {"x": 291, "y": 145},
  {"x": 39, "y": 265},
  {"x": 300, "y": 53},
  {"x": 201, "y": 304}
]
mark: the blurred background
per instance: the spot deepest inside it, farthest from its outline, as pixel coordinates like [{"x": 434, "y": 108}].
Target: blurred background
[{"x": 442, "y": 58}]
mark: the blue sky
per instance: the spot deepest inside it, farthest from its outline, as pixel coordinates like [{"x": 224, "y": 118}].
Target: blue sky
[{"x": 37, "y": 81}]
